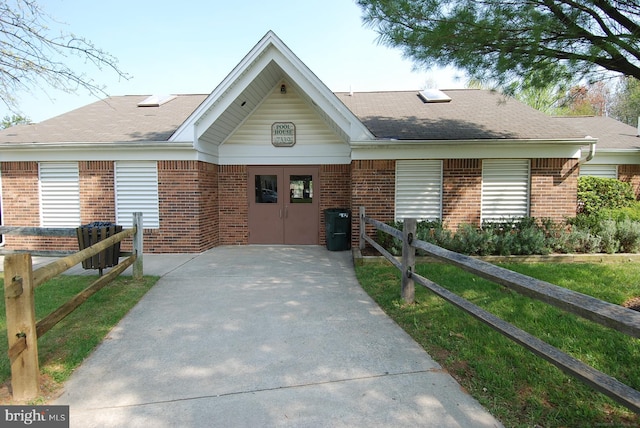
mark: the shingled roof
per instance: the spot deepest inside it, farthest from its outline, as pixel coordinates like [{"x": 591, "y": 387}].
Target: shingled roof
[
  {"x": 114, "y": 119},
  {"x": 611, "y": 134},
  {"x": 470, "y": 115}
]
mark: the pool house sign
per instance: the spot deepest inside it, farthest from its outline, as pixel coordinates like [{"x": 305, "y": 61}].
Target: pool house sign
[{"x": 283, "y": 134}]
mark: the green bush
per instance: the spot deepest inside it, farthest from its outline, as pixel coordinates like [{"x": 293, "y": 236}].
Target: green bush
[
  {"x": 434, "y": 232},
  {"x": 473, "y": 241},
  {"x": 583, "y": 241},
  {"x": 608, "y": 233},
  {"x": 596, "y": 194},
  {"x": 388, "y": 242},
  {"x": 588, "y": 221},
  {"x": 527, "y": 236},
  {"x": 628, "y": 234},
  {"x": 521, "y": 236},
  {"x": 631, "y": 212}
]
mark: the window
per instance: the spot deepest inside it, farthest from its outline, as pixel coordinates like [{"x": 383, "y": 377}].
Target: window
[
  {"x": 266, "y": 189},
  {"x": 603, "y": 171},
  {"x": 300, "y": 189},
  {"x": 505, "y": 189},
  {"x": 59, "y": 194},
  {"x": 137, "y": 191},
  {"x": 419, "y": 189}
]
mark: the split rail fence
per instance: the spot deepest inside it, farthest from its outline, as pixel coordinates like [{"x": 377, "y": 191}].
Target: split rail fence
[
  {"x": 20, "y": 282},
  {"x": 610, "y": 315}
]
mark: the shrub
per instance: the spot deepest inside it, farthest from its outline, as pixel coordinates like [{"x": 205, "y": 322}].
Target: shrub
[
  {"x": 555, "y": 235},
  {"x": 628, "y": 234},
  {"x": 597, "y": 193},
  {"x": 608, "y": 231},
  {"x": 473, "y": 241},
  {"x": 631, "y": 212},
  {"x": 526, "y": 236},
  {"x": 434, "y": 232},
  {"x": 388, "y": 242},
  {"x": 582, "y": 241},
  {"x": 522, "y": 236},
  {"x": 588, "y": 221}
]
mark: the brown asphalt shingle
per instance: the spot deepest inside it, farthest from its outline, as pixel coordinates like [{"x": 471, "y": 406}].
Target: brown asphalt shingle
[
  {"x": 470, "y": 115},
  {"x": 611, "y": 134},
  {"x": 114, "y": 119}
]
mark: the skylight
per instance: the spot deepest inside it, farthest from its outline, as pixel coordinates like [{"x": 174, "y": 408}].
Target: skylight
[
  {"x": 156, "y": 100},
  {"x": 434, "y": 96}
]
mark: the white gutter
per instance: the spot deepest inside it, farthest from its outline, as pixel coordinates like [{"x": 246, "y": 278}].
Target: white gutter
[
  {"x": 591, "y": 154},
  {"x": 84, "y": 151},
  {"x": 479, "y": 142},
  {"x": 97, "y": 145}
]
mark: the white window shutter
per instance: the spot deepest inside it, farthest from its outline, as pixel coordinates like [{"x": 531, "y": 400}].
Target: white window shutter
[
  {"x": 418, "y": 189},
  {"x": 505, "y": 189},
  {"x": 603, "y": 171},
  {"x": 137, "y": 191},
  {"x": 59, "y": 194}
]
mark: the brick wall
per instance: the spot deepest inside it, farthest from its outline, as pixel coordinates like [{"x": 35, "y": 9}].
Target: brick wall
[
  {"x": 204, "y": 205},
  {"x": 187, "y": 192},
  {"x": 181, "y": 192},
  {"x": 335, "y": 192},
  {"x": 97, "y": 195},
  {"x": 554, "y": 187},
  {"x": 234, "y": 206},
  {"x": 373, "y": 186},
  {"x": 630, "y": 174},
  {"x": 20, "y": 201},
  {"x": 209, "y": 213},
  {"x": 461, "y": 192}
]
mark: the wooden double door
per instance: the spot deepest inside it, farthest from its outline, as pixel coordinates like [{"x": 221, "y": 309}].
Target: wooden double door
[{"x": 284, "y": 205}]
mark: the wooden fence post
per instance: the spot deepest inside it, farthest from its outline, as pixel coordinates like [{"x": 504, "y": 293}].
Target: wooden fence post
[
  {"x": 138, "y": 270},
  {"x": 361, "y": 232},
  {"x": 21, "y": 326},
  {"x": 408, "y": 260}
]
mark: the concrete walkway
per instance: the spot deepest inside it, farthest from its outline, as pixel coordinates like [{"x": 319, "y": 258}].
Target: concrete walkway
[{"x": 255, "y": 336}]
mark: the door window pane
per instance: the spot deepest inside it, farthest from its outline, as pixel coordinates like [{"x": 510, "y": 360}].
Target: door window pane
[
  {"x": 266, "y": 189},
  {"x": 301, "y": 189}
]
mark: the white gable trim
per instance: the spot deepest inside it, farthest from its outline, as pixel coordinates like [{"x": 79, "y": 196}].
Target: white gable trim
[{"x": 270, "y": 48}]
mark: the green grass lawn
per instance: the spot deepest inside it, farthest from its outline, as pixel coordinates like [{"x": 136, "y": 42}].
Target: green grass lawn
[
  {"x": 66, "y": 345},
  {"x": 519, "y": 388}
]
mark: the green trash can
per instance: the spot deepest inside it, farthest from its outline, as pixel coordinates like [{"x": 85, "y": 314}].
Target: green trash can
[{"x": 338, "y": 227}]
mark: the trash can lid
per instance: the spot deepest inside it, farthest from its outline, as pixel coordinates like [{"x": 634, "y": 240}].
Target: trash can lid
[{"x": 98, "y": 224}]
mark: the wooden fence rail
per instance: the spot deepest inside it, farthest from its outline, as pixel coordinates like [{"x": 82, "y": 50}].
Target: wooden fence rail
[
  {"x": 610, "y": 315},
  {"x": 19, "y": 286}
]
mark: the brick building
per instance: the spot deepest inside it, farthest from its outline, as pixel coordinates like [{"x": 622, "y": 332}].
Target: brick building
[{"x": 259, "y": 159}]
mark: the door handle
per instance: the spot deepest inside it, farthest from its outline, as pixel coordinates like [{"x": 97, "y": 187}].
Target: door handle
[
  {"x": 286, "y": 211},
  {"x": 280, "y": 213}
]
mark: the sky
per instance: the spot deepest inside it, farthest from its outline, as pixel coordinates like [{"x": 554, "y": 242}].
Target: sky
[{"x": 189, "y": 47}]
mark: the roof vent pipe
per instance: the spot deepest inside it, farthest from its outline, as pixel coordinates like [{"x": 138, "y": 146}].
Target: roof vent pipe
[{"x": 638, "y": 134}]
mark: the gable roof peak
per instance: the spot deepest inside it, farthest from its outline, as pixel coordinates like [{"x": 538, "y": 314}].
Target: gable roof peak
[{"x": 267, "y": 63}]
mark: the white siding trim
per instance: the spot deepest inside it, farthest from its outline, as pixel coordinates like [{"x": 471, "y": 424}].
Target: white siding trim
[
  {"x": 136, "y": 189},
  {"x": 418, "y": 189},
  {"x": 59, "y": 184},
  {"x": 599, "y": 170},
  {"x": 505, "y": 188},
  {"x": 522, "y": 149}
]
